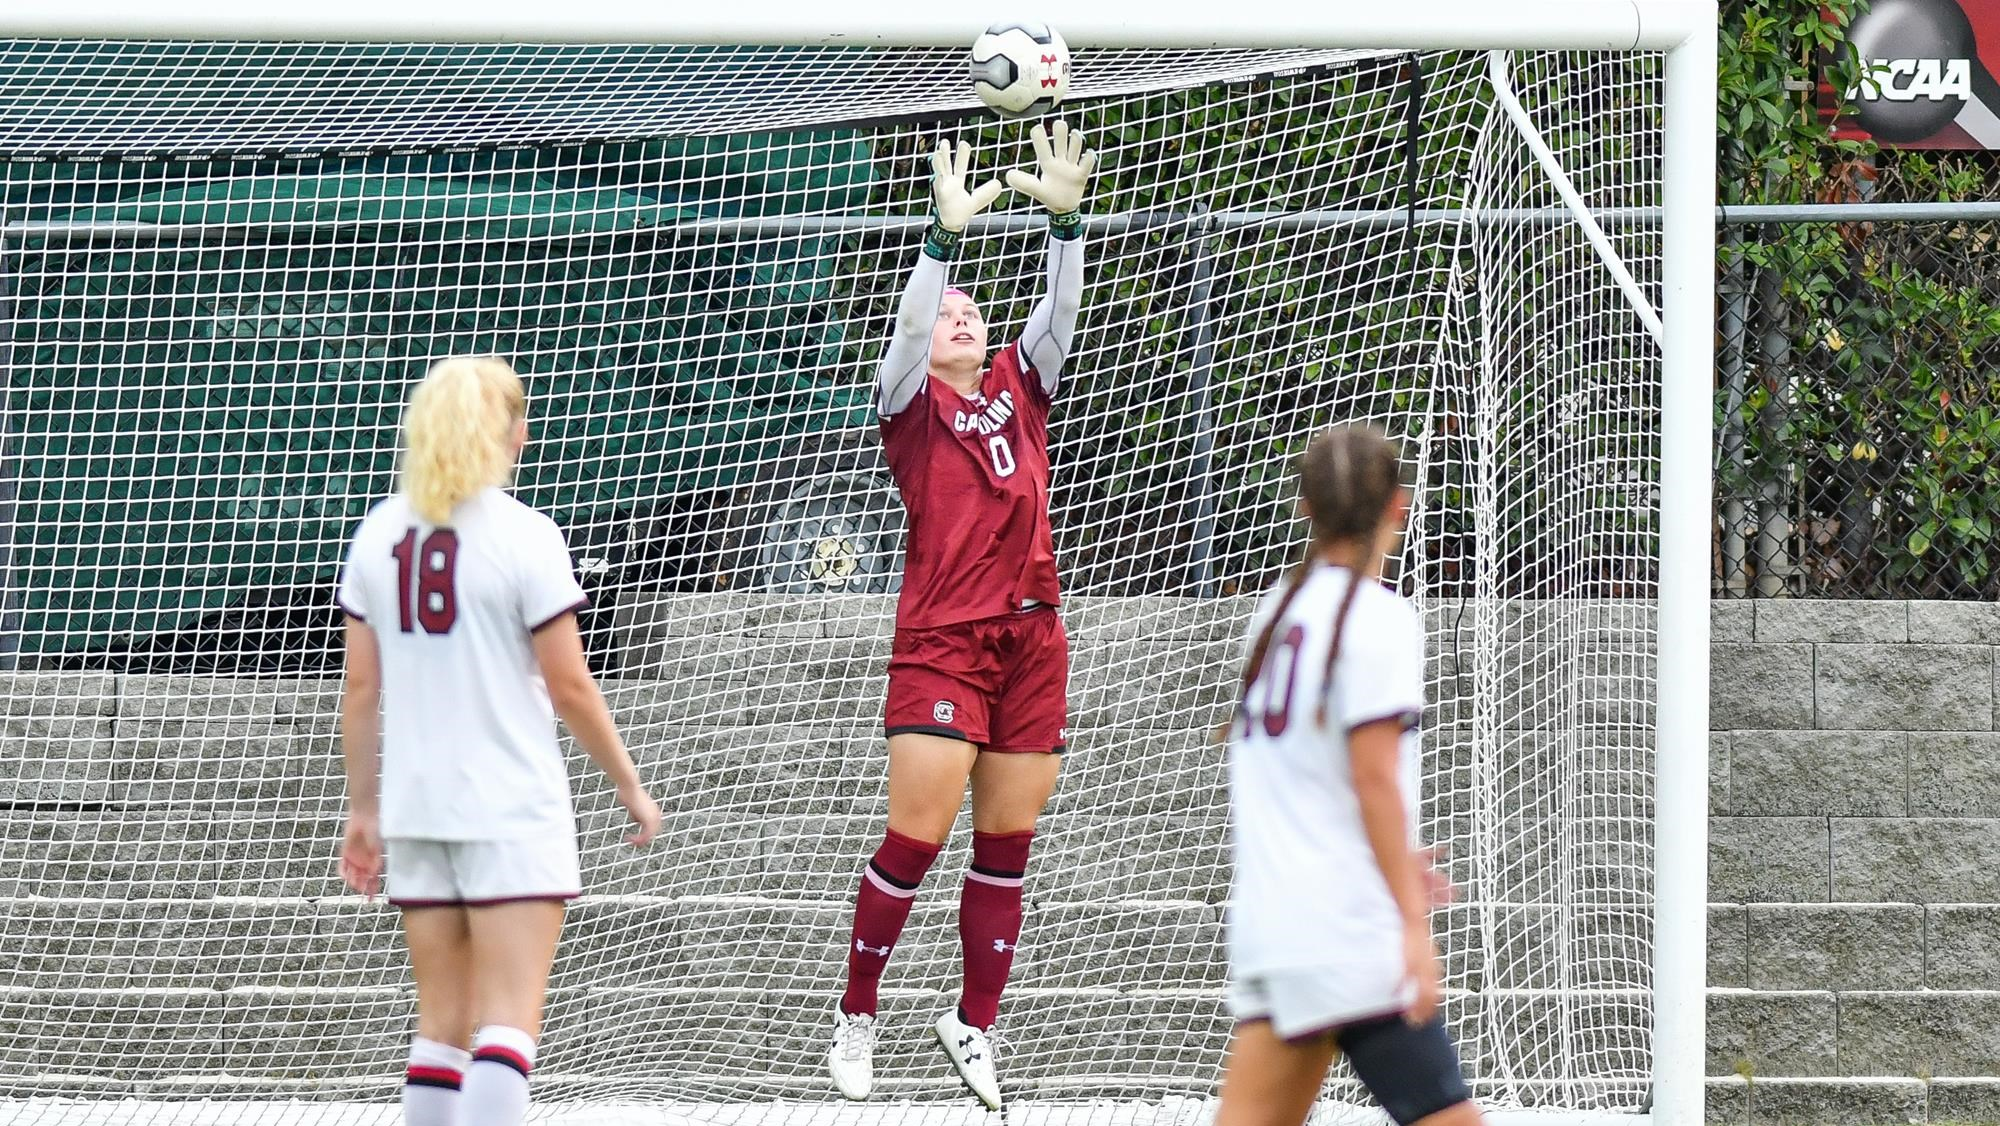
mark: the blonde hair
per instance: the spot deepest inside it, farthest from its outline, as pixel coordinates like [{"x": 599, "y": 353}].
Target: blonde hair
[{"x": 459, "y": 432}]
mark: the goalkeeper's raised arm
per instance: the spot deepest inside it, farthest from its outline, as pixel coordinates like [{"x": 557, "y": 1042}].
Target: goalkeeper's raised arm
[
  {"x": 920, "y": 316},
  {"x": 922, "y": 330},
  {"x": 1065, "y": 172}
]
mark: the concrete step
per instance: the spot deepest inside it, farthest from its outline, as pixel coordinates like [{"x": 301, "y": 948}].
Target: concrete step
[
  {"x": 64, "y": 855},
  {"x": 263, "y": 771},
  {"x": 636, "y": 943},
  {"x": 654, "y": 942},
  {"x": 287, "y": 846},
  {"x": 693, "y": 945},
  {"x": 1602, "y": 623},
  {"x": 805, "y": 1100},
  {"x": 702, "y": 945},
  {"x": 743, "y": 1038},
  {"x": 35, "y": 695},
  {"x": 657, "y": 1097},
  {"x": 201, "y": 944},
  {"x": 141, "y": 1035},
  {"x": 722, "y": 665},
  {"x": 873, "y": 616},
  {"x": 741, "y": 1043}
]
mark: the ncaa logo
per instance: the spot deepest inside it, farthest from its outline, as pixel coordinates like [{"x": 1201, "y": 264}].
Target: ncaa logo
[
  {"x": 943, "y": 710},
  {"x": 1917, "y": 62}
]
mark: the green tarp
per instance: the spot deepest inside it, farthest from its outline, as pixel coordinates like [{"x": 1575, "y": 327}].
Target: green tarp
[{"x": 205, "y": 411}]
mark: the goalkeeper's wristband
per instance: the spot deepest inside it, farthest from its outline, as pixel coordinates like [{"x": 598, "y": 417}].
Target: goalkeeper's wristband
[
  {"x": 1067, "y": 225},
  {"x": 942, "y": 244}
]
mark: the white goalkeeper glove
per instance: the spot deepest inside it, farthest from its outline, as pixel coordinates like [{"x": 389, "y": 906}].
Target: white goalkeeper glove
[
  {"x": 1065, "y": 173},
  {"x": 952, "y": 206}
]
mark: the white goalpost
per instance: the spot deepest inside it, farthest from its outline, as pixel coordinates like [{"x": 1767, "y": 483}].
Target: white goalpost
[{"x": 232, "y": 233}]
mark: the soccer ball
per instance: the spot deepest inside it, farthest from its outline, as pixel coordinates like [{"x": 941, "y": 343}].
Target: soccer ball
[{"x": 1020, "y": 69}]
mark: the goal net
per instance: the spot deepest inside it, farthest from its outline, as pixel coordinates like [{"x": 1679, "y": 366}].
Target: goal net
[{"x": 224, "y": 265}]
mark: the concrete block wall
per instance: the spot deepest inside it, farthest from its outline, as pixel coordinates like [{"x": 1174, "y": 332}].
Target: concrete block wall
[
  {"x": 1854, "y": 864},
  {"x": 168, "y": 908}
]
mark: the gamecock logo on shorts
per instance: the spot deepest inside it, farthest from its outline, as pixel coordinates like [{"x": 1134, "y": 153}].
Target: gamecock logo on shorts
[{"x": 943, "y": 710}]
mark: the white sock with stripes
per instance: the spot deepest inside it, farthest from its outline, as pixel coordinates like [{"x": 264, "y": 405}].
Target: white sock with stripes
[
  {"x": 496, "y": 1085},
  {"x": 430, "y": 1087}
]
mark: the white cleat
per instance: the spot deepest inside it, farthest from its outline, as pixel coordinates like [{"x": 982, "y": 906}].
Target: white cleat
[
  {"x": 852, "y": 1057},
  {"x": 972, "y": 1053}
]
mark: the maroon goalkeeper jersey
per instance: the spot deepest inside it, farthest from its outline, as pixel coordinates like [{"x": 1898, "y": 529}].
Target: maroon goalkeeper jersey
[{"x": 974, "y": 474}]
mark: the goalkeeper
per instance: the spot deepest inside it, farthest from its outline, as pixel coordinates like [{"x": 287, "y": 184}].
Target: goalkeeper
[{"x": 979, "y": 671}]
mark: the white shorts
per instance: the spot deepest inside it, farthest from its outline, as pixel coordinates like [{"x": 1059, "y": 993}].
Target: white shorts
[
  {"x": 1309, "y": 1002},
  {"x": 482, "y": 873}
]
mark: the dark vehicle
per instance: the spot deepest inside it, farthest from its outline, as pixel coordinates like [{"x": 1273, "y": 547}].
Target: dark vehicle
[{"x": 205, "y": 379}]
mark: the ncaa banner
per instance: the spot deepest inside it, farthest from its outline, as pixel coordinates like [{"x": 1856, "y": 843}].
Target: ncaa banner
[{"x": 1927, "y": 71}]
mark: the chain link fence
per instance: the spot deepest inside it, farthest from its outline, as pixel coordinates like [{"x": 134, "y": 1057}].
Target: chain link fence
[{"x": 1858, "y": 364}]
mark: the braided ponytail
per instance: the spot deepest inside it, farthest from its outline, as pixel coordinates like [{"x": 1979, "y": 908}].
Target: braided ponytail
[
  {"x": 1333, "y": 648},
  {"x": 1347, "y": 476}
]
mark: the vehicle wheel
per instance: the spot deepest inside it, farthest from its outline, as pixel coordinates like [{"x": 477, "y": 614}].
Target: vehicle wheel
[{"x": 824, "y": 521}]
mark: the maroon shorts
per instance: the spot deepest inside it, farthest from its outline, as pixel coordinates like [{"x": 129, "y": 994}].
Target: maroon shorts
[{"x": 1002, "y": 683}]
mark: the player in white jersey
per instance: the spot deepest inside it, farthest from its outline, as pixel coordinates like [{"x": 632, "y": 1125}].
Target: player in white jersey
[
  {"x": 461, "y": 632},
  {"x": 1330, "y": 945}
]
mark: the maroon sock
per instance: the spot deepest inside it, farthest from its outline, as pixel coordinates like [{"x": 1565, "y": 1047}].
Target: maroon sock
[
  {"x": 888, "y": 887},
  {"x": 989, "y": 921}
]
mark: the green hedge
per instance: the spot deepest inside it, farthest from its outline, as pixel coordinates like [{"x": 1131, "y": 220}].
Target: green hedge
[{"x": 1871, "y": 350}]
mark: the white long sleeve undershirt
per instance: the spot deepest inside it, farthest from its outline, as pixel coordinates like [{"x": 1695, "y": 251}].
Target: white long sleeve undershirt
[{"x": 1045, "y": 341}]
